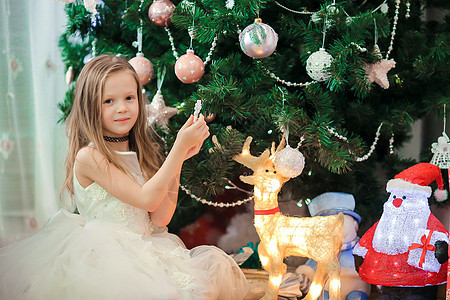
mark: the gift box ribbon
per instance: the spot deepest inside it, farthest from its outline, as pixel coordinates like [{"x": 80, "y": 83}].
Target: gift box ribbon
[{"x": 425, "y": 246}]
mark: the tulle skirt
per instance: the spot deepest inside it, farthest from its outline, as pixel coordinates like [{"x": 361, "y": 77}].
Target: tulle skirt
[{"x": 72, "y": 260}]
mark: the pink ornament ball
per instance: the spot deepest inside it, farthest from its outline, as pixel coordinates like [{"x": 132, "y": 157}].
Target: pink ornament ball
[
  {"x": 143, "y": 67},
  {"x": 189, "y": 68},
  {"x": 160, "y": 12}
]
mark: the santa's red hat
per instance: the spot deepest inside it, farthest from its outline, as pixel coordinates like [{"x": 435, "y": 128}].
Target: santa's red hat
[{"x": 417, "y": 178}]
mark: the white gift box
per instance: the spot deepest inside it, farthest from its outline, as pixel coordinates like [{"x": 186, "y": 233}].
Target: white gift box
[{"x": 429, "y": 263}]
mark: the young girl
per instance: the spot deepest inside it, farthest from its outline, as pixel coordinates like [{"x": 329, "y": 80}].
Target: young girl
[{"x": 118, "y": 246}]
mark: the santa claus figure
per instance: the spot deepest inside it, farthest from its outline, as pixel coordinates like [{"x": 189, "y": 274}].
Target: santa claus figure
[{"x": 407, "y": 247}]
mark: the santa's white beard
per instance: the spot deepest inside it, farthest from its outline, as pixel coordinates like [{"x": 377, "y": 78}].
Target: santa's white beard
[{"x": 399, "y": 225}]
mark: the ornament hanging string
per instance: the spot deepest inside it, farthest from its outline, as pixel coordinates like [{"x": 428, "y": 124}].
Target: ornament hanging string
[
  {"x": 138, "y": 43},
  {"x": 160, "y": 78},
  {"x": 376, "y": 32},
  {"x": 286, "y": 130},
  {"x": 445, "y": 116},
  {"x": 175, "y": 53},
  {"x": 192, "y": 31},
  {"x": 441, "y": 155},
  {"x": 324, "y": 31},
  {"x": 139, "y": 36}
]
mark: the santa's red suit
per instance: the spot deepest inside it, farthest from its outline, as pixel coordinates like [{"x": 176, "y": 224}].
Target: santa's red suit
[{"x": 393, "y": 270}]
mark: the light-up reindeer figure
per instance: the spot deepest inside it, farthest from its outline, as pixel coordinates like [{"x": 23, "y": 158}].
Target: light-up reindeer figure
[{"x": 319, "y": 238}]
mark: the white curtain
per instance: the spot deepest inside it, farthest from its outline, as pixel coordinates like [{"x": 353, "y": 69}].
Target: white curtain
[{"x": 32, "y": 145}]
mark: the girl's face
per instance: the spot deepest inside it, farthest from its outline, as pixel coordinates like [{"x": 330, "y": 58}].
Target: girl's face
[{"x": 120, "y": 104}]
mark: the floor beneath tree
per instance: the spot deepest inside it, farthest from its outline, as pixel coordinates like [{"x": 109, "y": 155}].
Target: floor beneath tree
[{"x": 258, "y": 282}]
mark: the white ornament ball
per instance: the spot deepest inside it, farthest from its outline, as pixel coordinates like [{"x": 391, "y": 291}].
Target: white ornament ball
[
  {"x": 317, "y": 65},
  {"x": 289, "y": 162},
  {"x": 143, "y": 67},
  {"x": 258, "y": 40}
]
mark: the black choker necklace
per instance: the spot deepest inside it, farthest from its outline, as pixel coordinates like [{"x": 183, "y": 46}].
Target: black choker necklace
[{"x": 116, "y": 139}]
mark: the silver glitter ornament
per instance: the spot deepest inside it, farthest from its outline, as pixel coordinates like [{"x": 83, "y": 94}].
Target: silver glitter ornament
[
  {"x": 158, "y": 113},
  {"x": 289, "y": 162},
  {"x": 317, "y": 65},
  {"x": 258, "y": 40}
]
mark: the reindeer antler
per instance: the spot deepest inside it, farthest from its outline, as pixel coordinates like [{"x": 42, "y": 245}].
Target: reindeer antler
[
  {"x": 279, "y": 148},
  {"x": 248, "y": 160}
]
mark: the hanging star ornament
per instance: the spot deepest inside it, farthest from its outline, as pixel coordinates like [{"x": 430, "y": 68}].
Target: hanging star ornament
[
  {"x": 377, "y": 72},
  {"x": 158, "y": 113}
]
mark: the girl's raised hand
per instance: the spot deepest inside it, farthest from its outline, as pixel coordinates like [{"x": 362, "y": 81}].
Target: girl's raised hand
[{"x": 191, "y": 135}]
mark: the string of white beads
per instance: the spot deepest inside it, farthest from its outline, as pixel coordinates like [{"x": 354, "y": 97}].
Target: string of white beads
[
  {"x": 391, "y": 144},
  {"x": 372, "y": 148},
  {"x": 374, "y": 144},
  {"x": 215, "y": 204},
  {"x": 408, "y": 10},
  {"x": 339, "y": 136},
  {"x": 302, "y": 139},
  {"x": 94, "y": 48},
  {"x": 361, "y": 49},
  {"x": 211, "y": 50},
  {"x": 294, "y": 11},
  {"x": 175, "y": 53},
  {"x": 174, "y": 50},
  {"x": 394, "y": 28},
  {"x": 288, "y": 83}
]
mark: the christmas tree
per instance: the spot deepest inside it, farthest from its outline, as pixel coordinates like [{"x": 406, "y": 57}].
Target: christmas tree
[{"x": 344, "y": 84}]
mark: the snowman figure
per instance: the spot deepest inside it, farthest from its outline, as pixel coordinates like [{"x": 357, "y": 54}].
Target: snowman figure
[
  {"x": 405, "y": 252},
  {"x": 352, "y": 287}
]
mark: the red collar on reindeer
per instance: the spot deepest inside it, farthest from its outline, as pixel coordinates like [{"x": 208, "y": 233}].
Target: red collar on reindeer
[{"x": 267, "y": 211}]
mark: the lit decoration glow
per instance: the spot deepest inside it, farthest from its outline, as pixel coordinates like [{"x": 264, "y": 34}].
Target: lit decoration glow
[
  {"x": 319, "y": 238},
  {"x": 315, "y": 290},
  {"x": 400, "y": 249}
]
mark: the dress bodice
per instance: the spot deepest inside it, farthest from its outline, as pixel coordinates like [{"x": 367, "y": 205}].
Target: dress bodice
[{"x": 94, "y": 203}]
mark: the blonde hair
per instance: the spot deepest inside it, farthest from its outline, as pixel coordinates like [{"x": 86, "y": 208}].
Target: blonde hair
[{"x": 85, "y": 125}]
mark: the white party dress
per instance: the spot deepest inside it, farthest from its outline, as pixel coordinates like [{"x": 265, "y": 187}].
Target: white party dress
[{"x": 111, "y": 250}]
